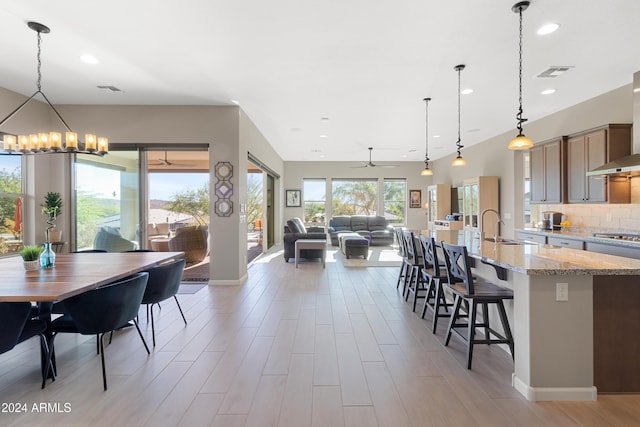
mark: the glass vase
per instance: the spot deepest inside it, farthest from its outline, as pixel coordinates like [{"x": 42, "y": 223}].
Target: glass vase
[{"x": 47, "y": 257}]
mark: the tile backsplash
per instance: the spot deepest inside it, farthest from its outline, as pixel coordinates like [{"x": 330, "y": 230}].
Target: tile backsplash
[{"x": 618, "y": 217}]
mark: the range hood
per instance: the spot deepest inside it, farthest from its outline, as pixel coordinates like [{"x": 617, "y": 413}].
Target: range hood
[
  {"x": 624, "y": 166},
  {"x": 629, "y": 165}
]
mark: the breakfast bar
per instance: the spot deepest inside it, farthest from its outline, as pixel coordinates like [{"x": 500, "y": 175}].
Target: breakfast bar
[{"x": 573, "y": 316}]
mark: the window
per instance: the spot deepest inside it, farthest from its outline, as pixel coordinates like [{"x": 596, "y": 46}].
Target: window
[
  {"x": 354, "y": 197},
  {"x": 395, "y": 196},
  {"x": 107, "y": 201},
  {"x": 11, "y": 197},
  {"x": 314, "y": 198}
]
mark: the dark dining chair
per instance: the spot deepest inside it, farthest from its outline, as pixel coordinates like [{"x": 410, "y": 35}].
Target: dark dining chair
[
  {"x": 476, "y": 294},
  {"x": 16, "y": 326},
  {"x": 164, "y": 281},
  {"x": 102, "y": 310}
]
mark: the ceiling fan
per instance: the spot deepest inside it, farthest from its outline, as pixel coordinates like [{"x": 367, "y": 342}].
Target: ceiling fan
[
  {"x": 166, "y": 162},
  {"x": 370, "y": 164}
]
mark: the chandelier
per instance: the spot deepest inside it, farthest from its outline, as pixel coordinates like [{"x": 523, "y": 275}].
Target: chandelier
[{"x": 50, "y": 142}]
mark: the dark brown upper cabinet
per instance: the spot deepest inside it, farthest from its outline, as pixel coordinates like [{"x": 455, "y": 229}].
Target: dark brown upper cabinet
[{"x": 590, "y": 149}]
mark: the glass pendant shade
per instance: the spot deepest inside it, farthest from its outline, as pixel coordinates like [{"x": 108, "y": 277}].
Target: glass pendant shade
[
  {"x": 426, "y": 172},
  {"x": 459, "y": 161},
  {"x": 520, "y": 142}
]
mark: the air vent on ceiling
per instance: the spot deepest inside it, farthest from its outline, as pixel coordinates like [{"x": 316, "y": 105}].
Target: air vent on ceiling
[
  {"x": 111, "y": 88},
  {"x": 554, "y": 71}
]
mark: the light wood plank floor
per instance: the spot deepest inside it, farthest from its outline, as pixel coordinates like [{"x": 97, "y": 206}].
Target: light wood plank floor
[{"x": 290, "y": 347}]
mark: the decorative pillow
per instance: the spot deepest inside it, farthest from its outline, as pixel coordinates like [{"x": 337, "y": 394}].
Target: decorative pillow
[
  {"x": 293, "y": 226},
  {"x": 301, "y": 226}
]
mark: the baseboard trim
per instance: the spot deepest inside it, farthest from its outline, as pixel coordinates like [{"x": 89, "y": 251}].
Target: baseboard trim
[
  {"x": 239, "y": 281},
  {"x": 538, "y": 394}
]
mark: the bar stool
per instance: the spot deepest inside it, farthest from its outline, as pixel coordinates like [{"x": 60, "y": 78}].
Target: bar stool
[
  {"x": 413, "y": 281},
  {"x": 474, "y": 293},
  {"x": 434, "y": 274},
  {"x": 403, "y": 253}
]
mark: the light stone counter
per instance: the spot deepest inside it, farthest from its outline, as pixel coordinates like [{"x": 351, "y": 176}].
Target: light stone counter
[
  {"x": 535, "y": 259},
  {"x": 567, "y": 347}
]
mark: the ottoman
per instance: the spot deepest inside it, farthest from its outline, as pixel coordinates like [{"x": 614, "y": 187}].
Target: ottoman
[{"x": 353, "y": 244}]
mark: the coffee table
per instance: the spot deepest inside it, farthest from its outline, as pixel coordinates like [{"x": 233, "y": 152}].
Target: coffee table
[{"x": 311, "y": 244}]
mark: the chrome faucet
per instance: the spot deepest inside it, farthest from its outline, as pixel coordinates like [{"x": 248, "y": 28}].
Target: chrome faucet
[{"x": 499, "y": 220}]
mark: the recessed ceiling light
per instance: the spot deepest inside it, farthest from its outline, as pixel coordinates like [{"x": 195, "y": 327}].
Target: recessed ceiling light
[
  {"x": 548, "y": 91},
  {"x": 466, "y": 91},
  {"x": 89, "y": 59},
  {"x": 548, "y": 29},
  {"x": 322, "y": 156},
  {"x": 296, "y": 130},
  {"x": 436, "y": 136},
  {"x": 323, "y": 136},
  {"x": 404, "y": 156},
  {"x": 473, "y": 130}
]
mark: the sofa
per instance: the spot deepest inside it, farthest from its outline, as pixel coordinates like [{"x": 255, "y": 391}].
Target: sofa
[
  {"x": 374, "y": 228},
  {"x": 294, "y": 230}
]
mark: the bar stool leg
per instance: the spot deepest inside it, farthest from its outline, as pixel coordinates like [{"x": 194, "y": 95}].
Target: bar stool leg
[{"x": 471, "y": 331}]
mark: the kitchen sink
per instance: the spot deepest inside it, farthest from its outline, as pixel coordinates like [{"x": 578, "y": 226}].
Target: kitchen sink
[{"x": 503, "y": 241}]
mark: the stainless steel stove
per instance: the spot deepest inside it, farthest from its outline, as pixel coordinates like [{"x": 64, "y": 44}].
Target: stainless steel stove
[{"x": 619, "y": 236}]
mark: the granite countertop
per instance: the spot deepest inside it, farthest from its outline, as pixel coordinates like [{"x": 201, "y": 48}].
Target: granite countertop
[
  {"x": 583, "y": 235},
  {"x": 535, "y": 259}
]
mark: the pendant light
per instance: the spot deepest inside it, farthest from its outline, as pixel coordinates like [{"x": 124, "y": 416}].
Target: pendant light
[
  {"x": 459, "y": 161},
  {"x": 426, "y": 171},
  {"x": 520, "y": 142}
]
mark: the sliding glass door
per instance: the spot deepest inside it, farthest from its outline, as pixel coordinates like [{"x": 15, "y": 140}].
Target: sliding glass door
[{"x": 107, "y": 202}]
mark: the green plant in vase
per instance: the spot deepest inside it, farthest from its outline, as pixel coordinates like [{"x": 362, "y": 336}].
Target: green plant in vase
[{"x": 52, "y": 208}]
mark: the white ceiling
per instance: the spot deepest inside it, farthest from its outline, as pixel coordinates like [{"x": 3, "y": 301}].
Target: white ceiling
[{"x": 364, "y": 65}]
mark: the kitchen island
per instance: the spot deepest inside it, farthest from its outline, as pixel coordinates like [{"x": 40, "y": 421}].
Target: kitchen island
[{"x": 574, "y": 315}]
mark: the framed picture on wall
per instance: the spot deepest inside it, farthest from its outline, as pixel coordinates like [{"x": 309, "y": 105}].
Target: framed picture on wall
[
  {"x": 293, "y": 198},
  {"x": 415, "y": 198}
]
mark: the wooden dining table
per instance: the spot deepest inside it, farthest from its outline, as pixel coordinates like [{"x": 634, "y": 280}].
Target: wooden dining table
[{"x": 73, "y": 274}]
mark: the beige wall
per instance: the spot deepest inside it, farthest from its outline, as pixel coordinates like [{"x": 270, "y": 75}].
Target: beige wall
[
  {"x": 490, "y": 157},
  {"x": 295, "y": 172},
  {"x": 229, "y": 133},
  {"x": 493, "y": 158}
]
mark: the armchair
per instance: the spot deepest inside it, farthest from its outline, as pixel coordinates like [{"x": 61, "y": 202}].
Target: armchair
[
  {"x": 295, "y": 230},
  {"x": 109, "y": 239},
  {"x": 193, "y": 241}
]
